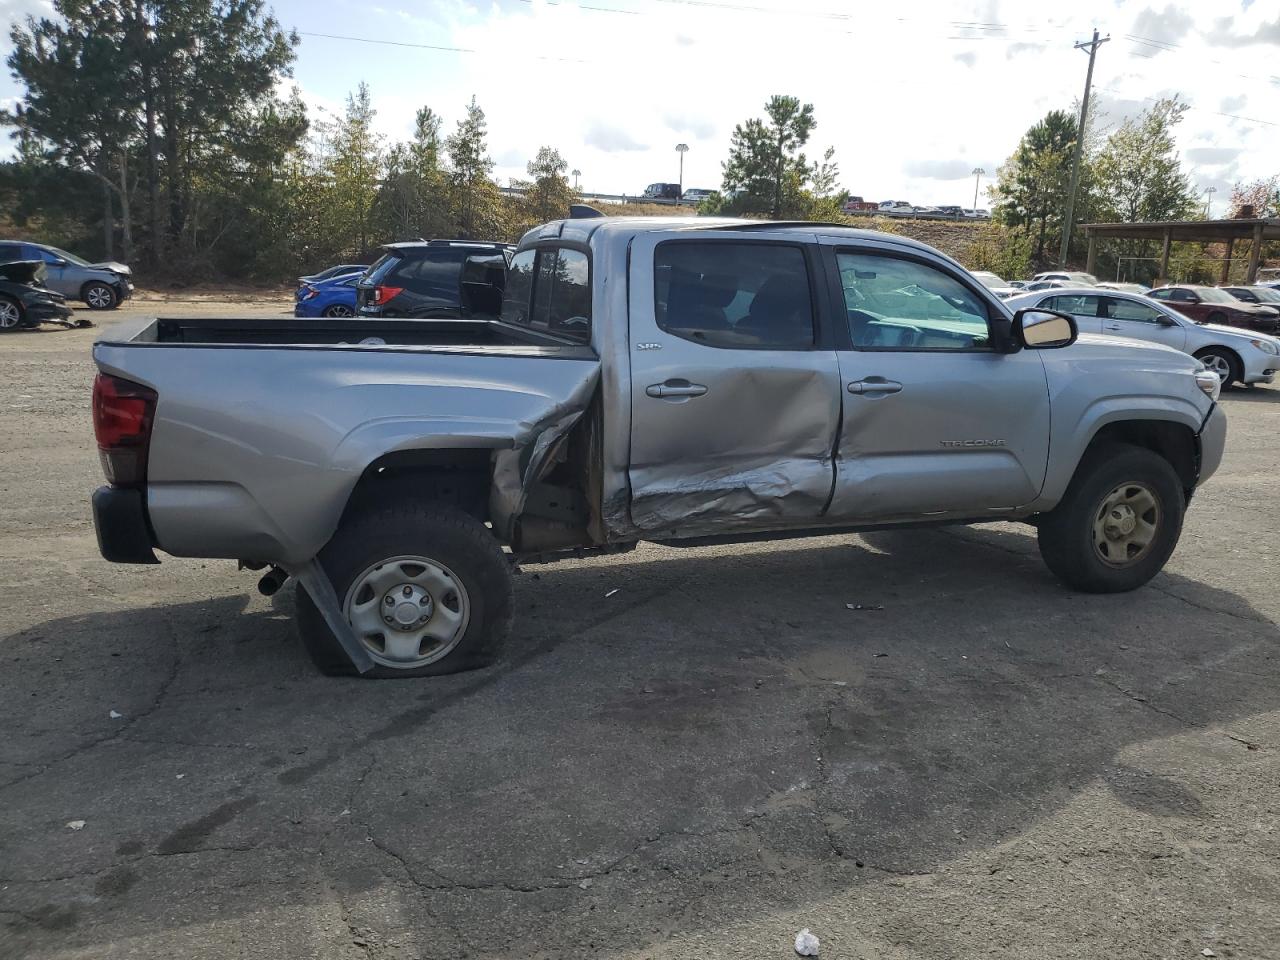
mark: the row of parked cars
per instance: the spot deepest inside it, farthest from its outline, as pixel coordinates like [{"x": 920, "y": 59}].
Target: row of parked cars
[
  {"x": 37, "y": 280},
  {"x": 416, "y": 279},
  {"x": 900, "y": 208},
  {"x": 1233, "y": 330}
]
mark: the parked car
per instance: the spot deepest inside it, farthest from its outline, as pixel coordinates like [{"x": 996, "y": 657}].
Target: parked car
[
  {"x": 342, "y": 269},
  {"x": 435, "y": 278},
  {"x": 858, "y": 205},
  {"x": 996, "y": 284},
  {"x": 1122, "y": 287},
  {"x": 1265, "y": 296},
  {"x": 1045, "y": 284},
  {"x": 662, "y": 191},
  {"x": 24, "y": 300},
  {"x": 697, "y": 194},
  {"x": 1077, "y": 277},
  {"x": 896, "y": 208},
  {"x": 645, "y": 382},
  {"x": 977, "y": 214},
  {"x": 100, "y": 285},
  {"x": 950, "y": 211},
  {"x": 334, "y": 297},
  {"x": 926, "y": 211},
  {"x": 1236, "y": 356},
  {"x": 1217, "y": 306}
]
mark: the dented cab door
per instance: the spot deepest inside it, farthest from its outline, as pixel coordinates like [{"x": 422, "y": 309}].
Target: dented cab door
[{"x": 735, "y": 386}]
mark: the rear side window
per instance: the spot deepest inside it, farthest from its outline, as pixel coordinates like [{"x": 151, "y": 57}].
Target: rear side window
[
  {"x": 436, "y": 275},
  {"x": 550, "y": 289},
  {"x": 734, "y": 295}
]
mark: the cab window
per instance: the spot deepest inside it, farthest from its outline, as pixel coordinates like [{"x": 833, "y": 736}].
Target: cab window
[
  {"x": 898, "y": 304},
  {"x": 549, "y": 288}
]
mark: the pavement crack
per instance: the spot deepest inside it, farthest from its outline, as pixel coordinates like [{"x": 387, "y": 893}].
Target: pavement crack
[
  {"x": 1189, "y": 724},
  {"x": 1206, "y": 607}
]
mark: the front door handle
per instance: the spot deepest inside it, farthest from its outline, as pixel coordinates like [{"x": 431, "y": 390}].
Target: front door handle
[
  {"x": 675, "y": 389},
  {"x": 1114, "y": 326},
  {"x": 875, "y": 386}
]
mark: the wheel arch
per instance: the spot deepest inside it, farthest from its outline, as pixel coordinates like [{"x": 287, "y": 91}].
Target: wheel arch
[
  {"x": 461, "y": 477},
  {"x": 1175, "y": 442}
]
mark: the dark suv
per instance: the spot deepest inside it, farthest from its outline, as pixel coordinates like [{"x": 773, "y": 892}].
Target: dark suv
[{"x": 441, "y": 279}]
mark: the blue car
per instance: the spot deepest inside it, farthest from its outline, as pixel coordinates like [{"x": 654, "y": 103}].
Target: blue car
[{"x": 335, "y": 297}]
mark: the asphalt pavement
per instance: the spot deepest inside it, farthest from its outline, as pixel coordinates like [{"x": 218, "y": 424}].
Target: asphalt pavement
[{"x": 975, "y": 763}]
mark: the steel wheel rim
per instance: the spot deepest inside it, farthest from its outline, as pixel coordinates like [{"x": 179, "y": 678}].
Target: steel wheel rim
[
  {"x": 1126, "y": 524},
  {"x": 9, "y": 315},
  {"x": 339, "y": 310},
  {"x": 1218, "y": 364},
  {"x": 408, "y": 611},
  {"x": 98, "y": 296}
]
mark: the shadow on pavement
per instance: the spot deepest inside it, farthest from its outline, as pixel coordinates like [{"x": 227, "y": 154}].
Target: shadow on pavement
[{"x": 722, "y": 736}]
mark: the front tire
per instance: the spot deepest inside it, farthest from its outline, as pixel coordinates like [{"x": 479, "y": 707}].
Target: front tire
[
  {"x": 1224, "y": 363},
  {"x": 1118, "y": 522},
  {"x": 99, "y": 296},
  {"x": 10, "y": 315},
  {"x": 426, "y": 588}
]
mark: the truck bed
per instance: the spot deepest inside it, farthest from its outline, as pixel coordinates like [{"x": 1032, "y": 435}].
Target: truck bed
[{"x": 467, "y": 336}]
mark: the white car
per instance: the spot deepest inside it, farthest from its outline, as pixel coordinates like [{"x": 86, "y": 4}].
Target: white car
[
  {"x": 996, "y": 284},
  {"x": 896, "y": 208},
  {"x": 1123, "y": 287},
  {"x": 1235, "y": 355},
  {"x": 1078, "y": 277}
]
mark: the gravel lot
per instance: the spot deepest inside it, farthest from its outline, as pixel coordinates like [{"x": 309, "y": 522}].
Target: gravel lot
[{"x": 697, "y": 766}]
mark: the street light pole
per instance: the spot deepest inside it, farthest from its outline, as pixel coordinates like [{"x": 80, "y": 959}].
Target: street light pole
[
  {"x": 1208, "y": 202},
  {"x": 1092, "y": 46},
  {"x": 978, "y": 174},
  {"x": 576, "y": 175},
  {"x": 682, "y": 149}
]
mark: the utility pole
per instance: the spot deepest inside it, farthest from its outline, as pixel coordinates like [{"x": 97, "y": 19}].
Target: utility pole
[
  {"x": 1208, "y": 202},
  {"x": 682, "y": 149},
  {"x": 1092, "y": 46},
  {"x": 978, "y": 174}
]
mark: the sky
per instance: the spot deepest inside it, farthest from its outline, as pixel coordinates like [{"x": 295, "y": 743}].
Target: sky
[{"x": 913, "y": 95}]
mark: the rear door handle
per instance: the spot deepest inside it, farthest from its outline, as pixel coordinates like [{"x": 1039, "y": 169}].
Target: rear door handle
[
  {"x": 675, "y": 389},
  {"x": 875, "y": 385}
]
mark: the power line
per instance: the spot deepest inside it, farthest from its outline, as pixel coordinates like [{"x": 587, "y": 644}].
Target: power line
[{"x": 423, "y": 46}]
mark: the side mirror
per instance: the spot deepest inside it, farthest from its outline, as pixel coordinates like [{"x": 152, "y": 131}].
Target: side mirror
[
  {"x": 1164, "y": 321},
  {"x": 57, "y": 262},
  {"x": 1192, "y": 298},
  {"x": 1038, "y": 329}
]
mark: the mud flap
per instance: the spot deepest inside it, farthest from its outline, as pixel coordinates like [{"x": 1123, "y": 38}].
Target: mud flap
[{"x": 318, "y": 586}]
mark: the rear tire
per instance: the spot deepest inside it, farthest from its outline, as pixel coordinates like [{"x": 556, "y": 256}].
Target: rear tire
[
  {"x": 338, "y": 310},
  {"x": 379, "y": 552},
  {"x": 99, "y": 296},
  {"x": 1224, "y": 363},
  {"x": 1096, "y": 539},
  {"x": 10, "y": 315}
]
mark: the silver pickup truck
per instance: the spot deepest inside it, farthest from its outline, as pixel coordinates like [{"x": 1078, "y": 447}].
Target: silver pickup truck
[{"x": 682, "y": 381}]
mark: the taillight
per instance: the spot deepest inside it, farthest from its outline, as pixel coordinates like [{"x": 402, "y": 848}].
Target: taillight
[
  {"x": 122, "y": 415},
  {"x": 382, "y": 294},
  {"x": 308, "y": 293}
]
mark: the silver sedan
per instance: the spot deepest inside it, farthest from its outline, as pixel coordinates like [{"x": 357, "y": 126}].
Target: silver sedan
[{"x": 1235, "y": 355}]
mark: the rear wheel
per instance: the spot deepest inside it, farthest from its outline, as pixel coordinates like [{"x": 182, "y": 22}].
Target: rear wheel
[
  {"x": 1118, "y": 522},
  {"x": 99, "y": 296},
  {"x": 10, "y": 315},
  {"x": 1223, "y": 362},
  {"x": 425, "y": 587},
  {"x": 338, "y": 310}
]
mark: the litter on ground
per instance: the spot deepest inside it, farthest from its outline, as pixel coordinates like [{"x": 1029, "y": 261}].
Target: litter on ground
[{"x": 806, "y": 943}]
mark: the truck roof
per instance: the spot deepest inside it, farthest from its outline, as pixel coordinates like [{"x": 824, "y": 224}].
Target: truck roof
[{"x": 582, "y": 230}]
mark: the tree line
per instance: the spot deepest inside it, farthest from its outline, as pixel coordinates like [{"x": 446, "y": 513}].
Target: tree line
[{"x": 155, "y": 131}]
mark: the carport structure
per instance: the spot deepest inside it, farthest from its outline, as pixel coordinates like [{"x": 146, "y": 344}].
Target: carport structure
[{"x": 1193, "y": 231}]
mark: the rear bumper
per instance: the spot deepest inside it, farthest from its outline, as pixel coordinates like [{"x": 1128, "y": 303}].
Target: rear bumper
[
  {"x": 1213, "y": 440},
  {"x": 42, "y": 311},
  {"x": 120, "y": 519}
]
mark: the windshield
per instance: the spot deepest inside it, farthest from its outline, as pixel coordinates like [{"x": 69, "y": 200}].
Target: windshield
[
  {"x": 1214, "y": 295},
  {"x": 989, "y": 280},
  {"x": 70, "y": 257},
  {"x": 1267, "y": 294}
]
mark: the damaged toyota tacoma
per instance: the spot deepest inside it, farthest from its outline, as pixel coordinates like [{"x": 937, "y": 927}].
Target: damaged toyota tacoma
[{"x": 681, "y": 381}]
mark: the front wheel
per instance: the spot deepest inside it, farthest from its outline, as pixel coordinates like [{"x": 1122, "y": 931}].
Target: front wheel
[
  {"x": 1118, "y": 522},
  {"x": 425, "y": 587},
  {"x": 1223, "y": 362},
  {"x": 10, "y": 315},
  {"x": 100, "y": 296}
]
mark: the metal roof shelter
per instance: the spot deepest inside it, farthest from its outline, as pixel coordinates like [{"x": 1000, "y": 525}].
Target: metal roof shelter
[{"x": 1195, "y": 231}]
